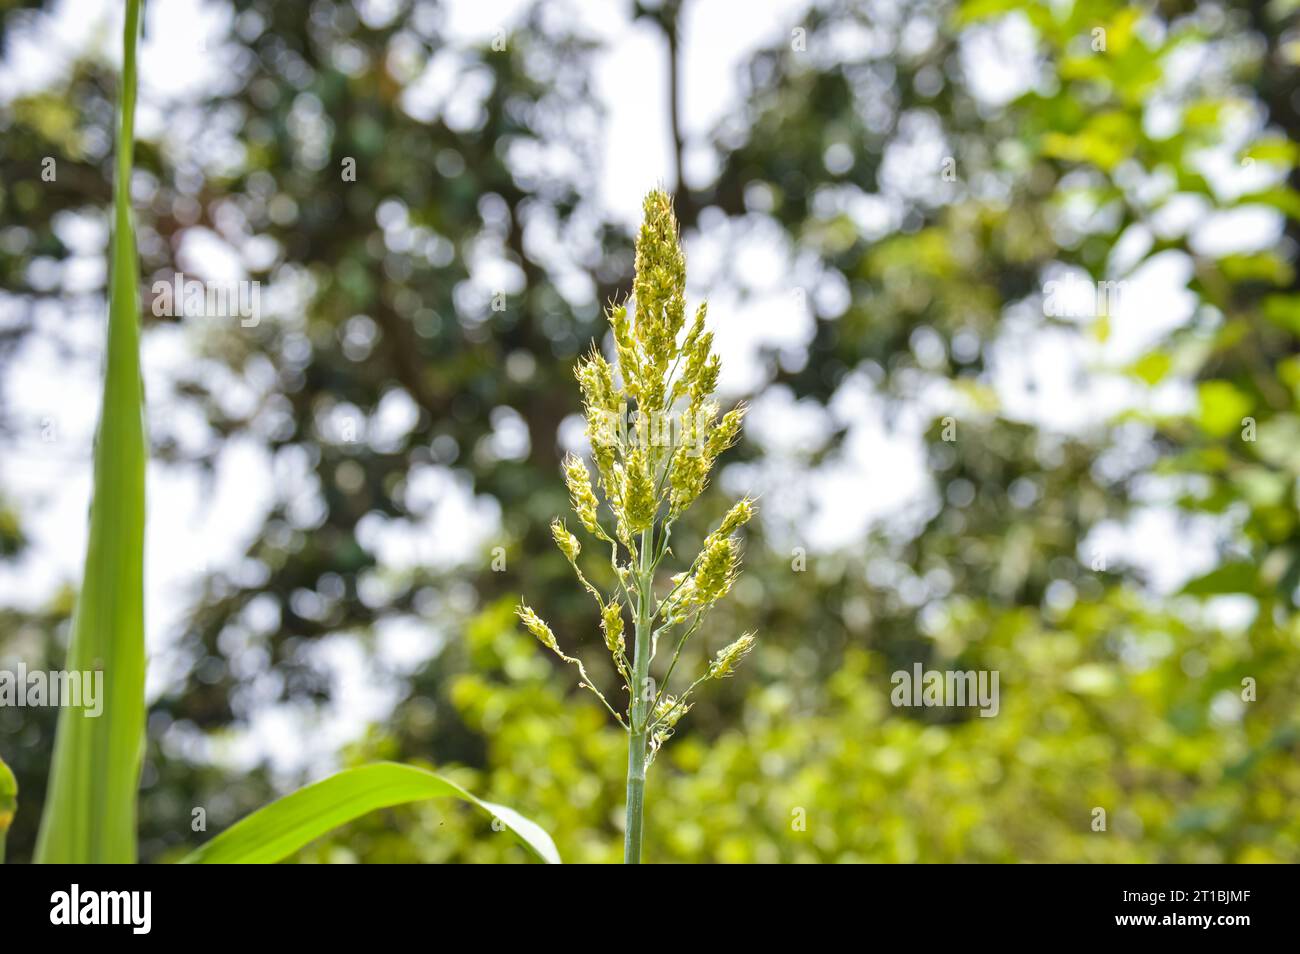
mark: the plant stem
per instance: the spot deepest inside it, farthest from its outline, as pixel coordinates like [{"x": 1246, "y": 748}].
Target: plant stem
[{"x": 637, "y": 730}]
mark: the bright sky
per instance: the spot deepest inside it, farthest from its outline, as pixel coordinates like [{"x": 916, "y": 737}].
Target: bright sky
[{"x": 194, "y": 526}]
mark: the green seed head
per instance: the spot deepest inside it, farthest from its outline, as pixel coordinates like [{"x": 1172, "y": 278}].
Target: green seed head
[
  {"x": 739, "y": 515},
  {"x": 660, "y": 284},
  {"x": 725, "y": 662},
  {"x": 717, "y": 570},
  {"x": 655, "y": 432},
  {"x": 725, "y": 434},
  {"x": 611, "y": 621},
  {"x": 669, "y": 711},
  {"x": 596, "y": 379},
  {"x": 702, "y": 369},
  {"x": 639, "y": 503},
  {"x": 689, "y": 471},
  {"x": 537, "y": 626},
  {"x": 566, "y": 541},
  {"x": 629, "y": 361},
  {"x": 581, "y": 496}
]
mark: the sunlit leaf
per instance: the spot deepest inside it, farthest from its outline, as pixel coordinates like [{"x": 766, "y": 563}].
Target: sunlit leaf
[
  {"x": 8, "y": 803},
  {"x": 1229, "y": 578},
  {"x": 273, "y": 833},
  {"x": 90, "y": 809},
  {"x": 1222, "y": 407}
]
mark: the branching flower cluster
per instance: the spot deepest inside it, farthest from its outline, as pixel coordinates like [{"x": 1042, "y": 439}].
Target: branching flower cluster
[{"x": 655, "y": 432}]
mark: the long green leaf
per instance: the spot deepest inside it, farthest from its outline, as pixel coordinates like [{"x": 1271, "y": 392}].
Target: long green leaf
[
  {"x": 8, "y": 803},
  {"x": 90, "y": 810},
  {"x": 273, "y": 833}
]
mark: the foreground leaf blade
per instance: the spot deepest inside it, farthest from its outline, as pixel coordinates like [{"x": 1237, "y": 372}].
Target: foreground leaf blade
[
  {"x": 8, "y": 803},
  {"x": 273, "y": 833},
  {"x": 90, "y": 810}
]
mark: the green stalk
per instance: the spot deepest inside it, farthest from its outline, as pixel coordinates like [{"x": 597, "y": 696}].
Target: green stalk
[
  {"x": 90, "y": 810},
  {"x": 637, "y": 731}
]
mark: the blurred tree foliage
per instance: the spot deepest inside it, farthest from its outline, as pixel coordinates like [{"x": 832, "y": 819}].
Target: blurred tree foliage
[{"x": 1114, "y": 696}]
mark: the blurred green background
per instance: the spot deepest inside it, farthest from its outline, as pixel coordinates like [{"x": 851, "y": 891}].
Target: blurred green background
[{"x": 1100, "y": 503}]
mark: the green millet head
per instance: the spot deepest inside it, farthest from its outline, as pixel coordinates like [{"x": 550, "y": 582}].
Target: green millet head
[
  {"x": 603, "y": 435},
  {"x": 535, "y": 625},
  {"x": 605, "y": 456},
  {"x": 740, "y": 514},
  {"x": 725, "y": 662},
  {"x": 717, "y": 570},
  {"x": 689, "y": 350},
  {"x": 725, "y": 434},
  {"x": 611, "y": 622},
  {"x": 660, "y": 284},
  {"x": 596, "y": 378},
  {"x": 697, "y": 327},
  {"x": 689, "y": 473},
  {"x": 581, "y": 496},
  {"x": 669, "y": 711},
  {"x": 566, "y": 541},
  {"x": 629, "y": 361},
  {"x": 639, "y": 503},
  {"x": 678, "y": 608},
  {"x": 655, "y": 432},
  {"x": 702, "y": 369}
]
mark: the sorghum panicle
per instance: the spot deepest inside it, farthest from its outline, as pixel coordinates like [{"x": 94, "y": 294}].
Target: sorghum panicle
[{"x": 655, "y": 435}]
